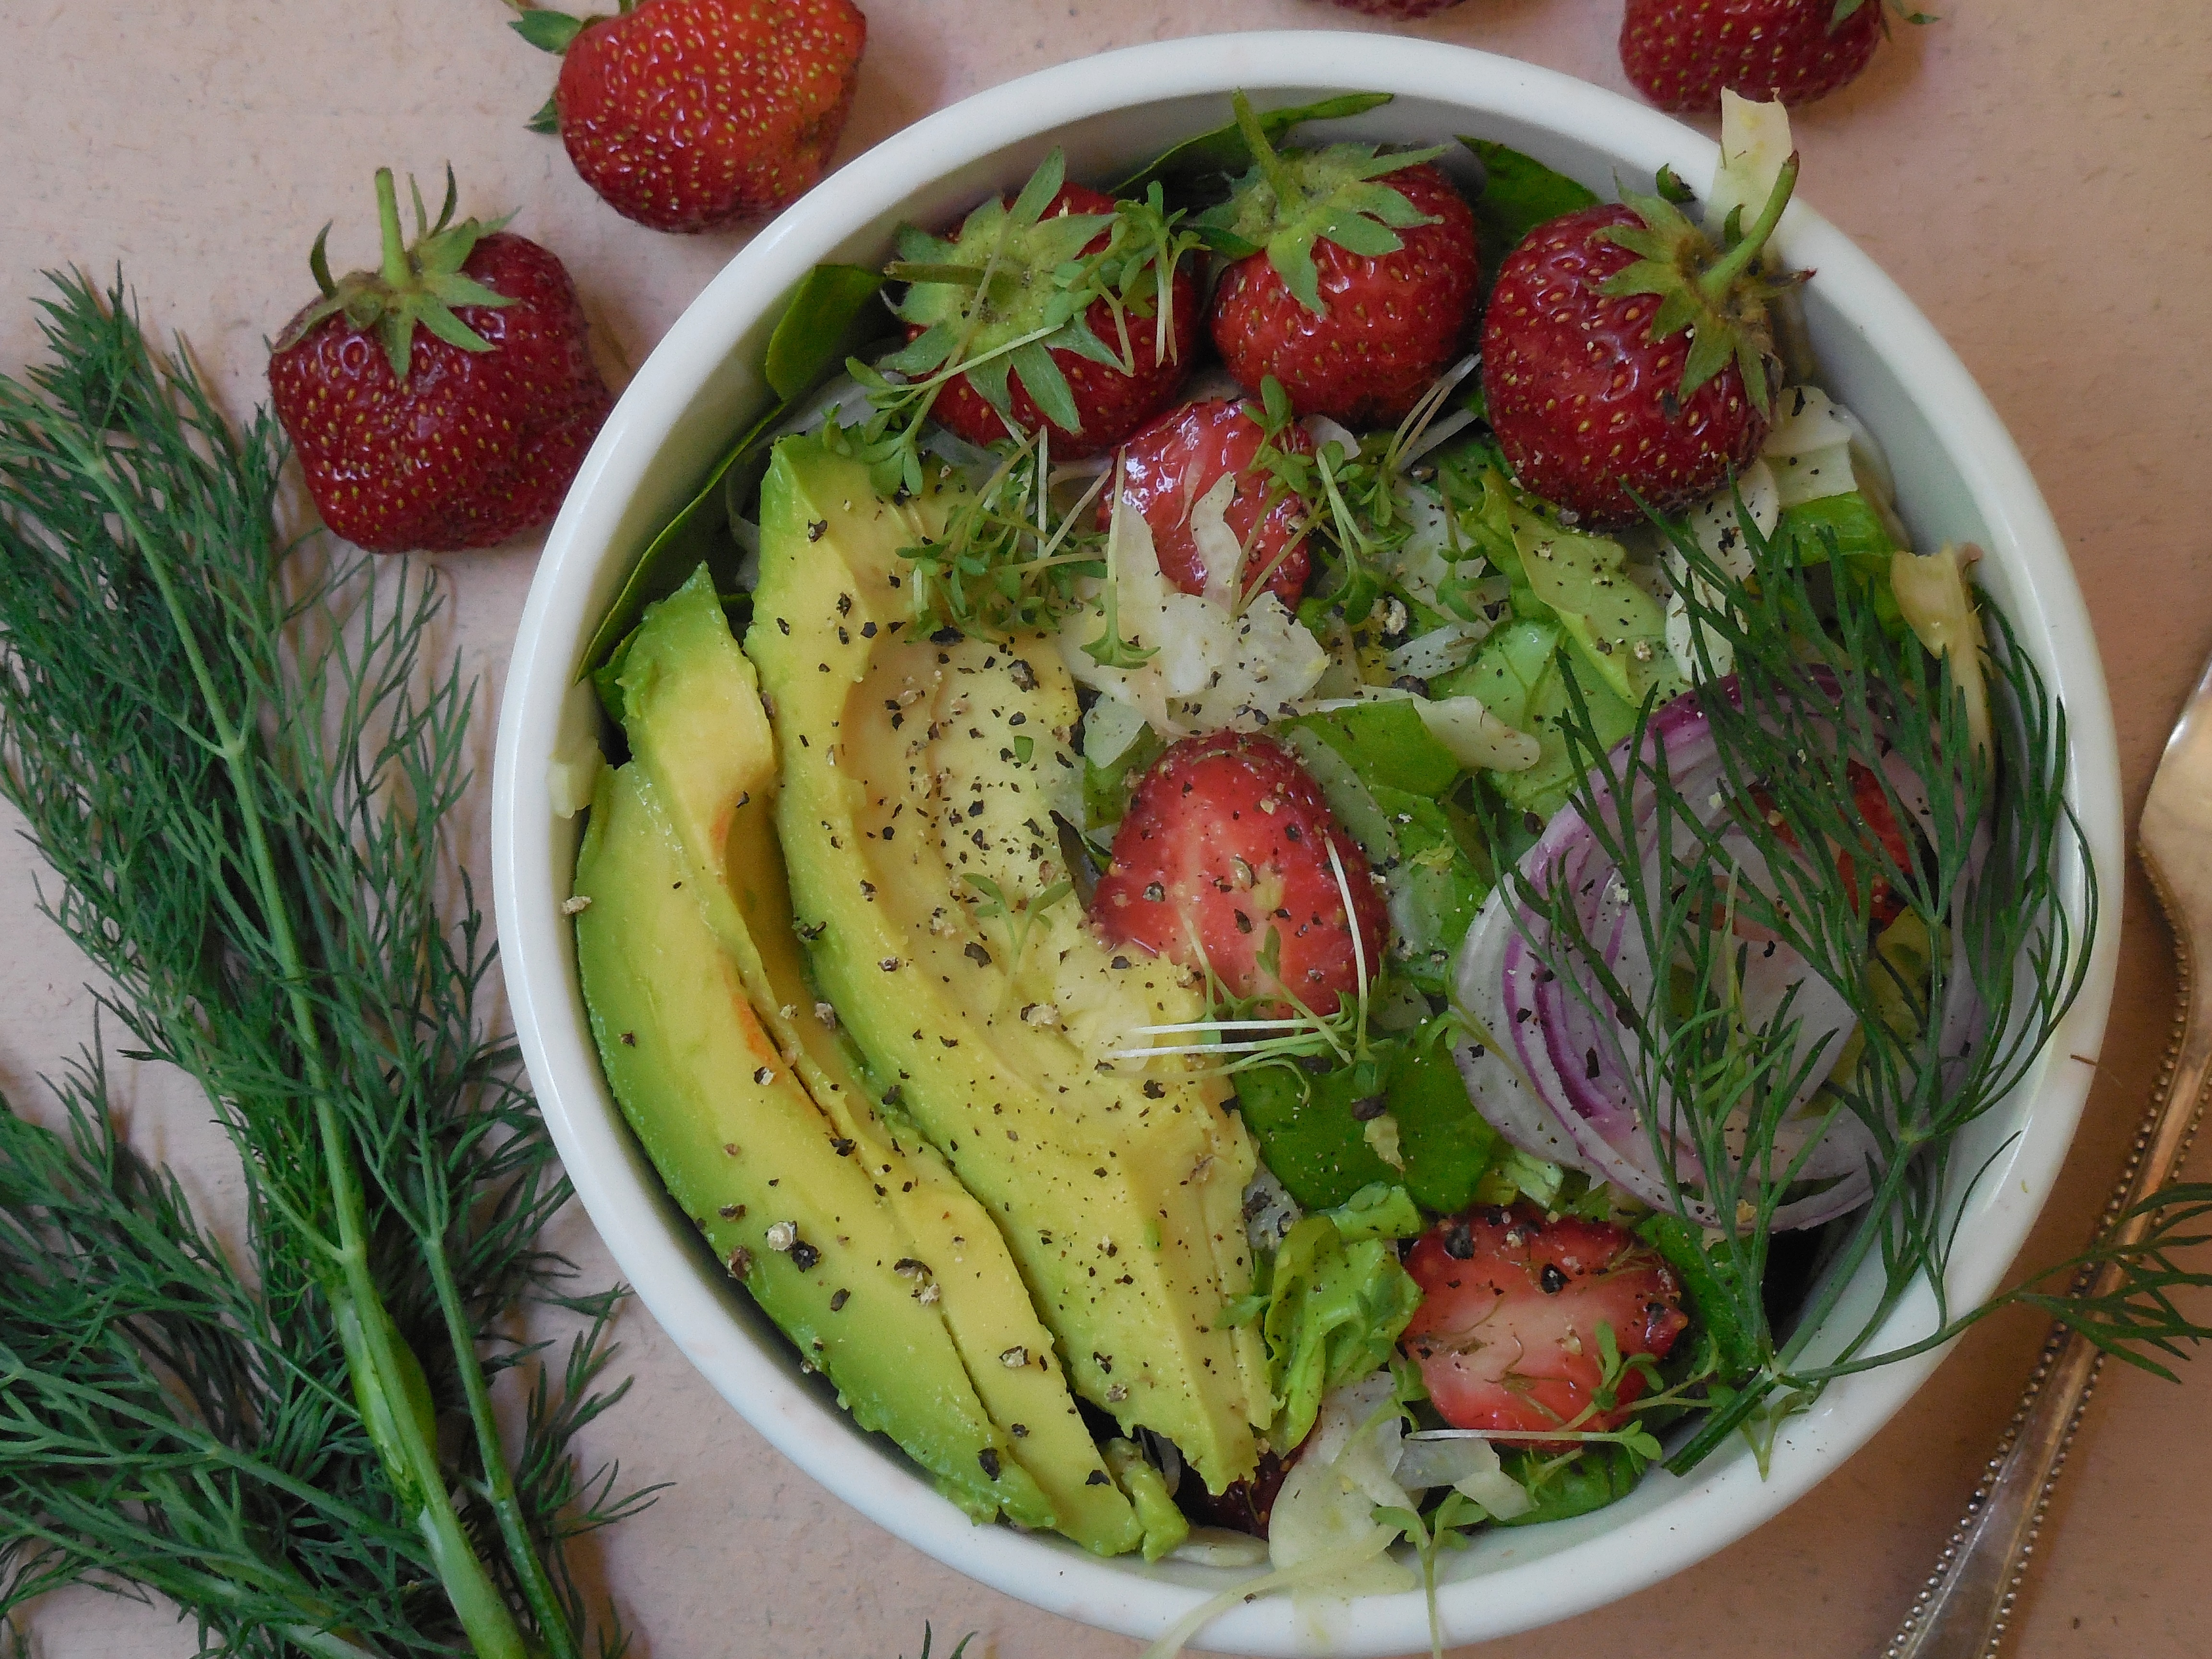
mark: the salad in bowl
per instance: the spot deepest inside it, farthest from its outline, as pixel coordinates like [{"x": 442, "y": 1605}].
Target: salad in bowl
[{"x": 1296, "y": 867}]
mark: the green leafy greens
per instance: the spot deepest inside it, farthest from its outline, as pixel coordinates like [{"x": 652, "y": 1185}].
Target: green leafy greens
[{"x": 236, "y": 757}]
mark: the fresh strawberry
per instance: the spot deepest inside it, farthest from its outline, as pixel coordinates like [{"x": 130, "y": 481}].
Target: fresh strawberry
[
  {"x": 1222, "y": 862},
  {"x": 1681, "y": 53},
  {"x": 1625, "y": 355},
  {"x": 1884, "y": 905},
  {"x": 1172, "y": 465},
  {"x": 687, "y": 114},
  {"x": 1506, "y": 1335},
  {"x": 1078, "y": 270},
  {"x": 460, "y": 431},
  {"x": 1353, "y": 276}
]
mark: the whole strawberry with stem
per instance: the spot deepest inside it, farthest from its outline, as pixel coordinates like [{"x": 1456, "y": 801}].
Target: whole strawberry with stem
[
  {"x": 1061, "y": 309},
  {"x": 1352, "y": 278},
  {"x": 1681, "y": 53},
  {"x": 1627, "y": 358},
  {"x": 688, "y": 114},
  {"x": 445, "y": 399}
]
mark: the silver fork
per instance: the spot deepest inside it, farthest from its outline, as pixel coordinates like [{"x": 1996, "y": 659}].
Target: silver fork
[{"x": 1961, "y": 1611}]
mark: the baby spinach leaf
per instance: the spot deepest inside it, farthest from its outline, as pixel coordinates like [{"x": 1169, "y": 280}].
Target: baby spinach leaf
[
  {"x": 1602, "y": 1473},
  {"x": 827, "y": 321},
  {"x": 1518, "y": 193},
  {"x": 1312, "y": 1130},
  {"x": 827, "y": 310},
  {"x": 1385, "y": 743}
]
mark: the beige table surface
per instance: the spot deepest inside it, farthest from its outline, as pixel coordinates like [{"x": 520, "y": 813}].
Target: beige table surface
[{"x": 2032, "y": 171}]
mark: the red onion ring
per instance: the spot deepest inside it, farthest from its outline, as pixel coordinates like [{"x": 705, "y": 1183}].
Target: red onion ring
[{"x": 1554, "y": 1077}]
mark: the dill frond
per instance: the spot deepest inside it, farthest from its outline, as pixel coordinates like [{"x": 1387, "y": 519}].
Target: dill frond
[
  {"x": 236, "y": 755},
  {"x": 1823, "y": 690}
]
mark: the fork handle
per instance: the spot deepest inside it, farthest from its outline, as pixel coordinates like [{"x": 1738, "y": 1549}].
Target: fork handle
[{"x": 1961, "y": 1610}]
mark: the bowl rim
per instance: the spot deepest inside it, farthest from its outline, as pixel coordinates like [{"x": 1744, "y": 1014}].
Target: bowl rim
[{"x": 1698, "y": 1515}]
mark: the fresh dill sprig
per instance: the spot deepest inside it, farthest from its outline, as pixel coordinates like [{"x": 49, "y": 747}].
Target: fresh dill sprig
[
  {"x": 233, "y": 753},
  {"x": 167, "y": 1427},
  {"x": 1824, "y": 699}
]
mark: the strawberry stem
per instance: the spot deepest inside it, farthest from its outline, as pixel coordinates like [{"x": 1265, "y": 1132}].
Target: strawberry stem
[
  {"x": 1715, "y": 282},
  {"x": 397, "y": 270},
  {"x": 1279, "y": 178}
]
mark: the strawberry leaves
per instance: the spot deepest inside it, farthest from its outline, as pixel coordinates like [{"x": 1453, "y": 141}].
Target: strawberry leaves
[
  {"x": 416, "y": 283},
  {"x": 1020, "y": 288},
  {"x": 1287, "y": 203},
  {"x": 1712, "y": 291}
]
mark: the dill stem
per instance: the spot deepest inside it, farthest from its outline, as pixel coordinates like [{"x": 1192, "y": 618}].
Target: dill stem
[
  {"x": 1844, "y": 1268},
  {"x": 521, "y": 1552},
  {"x": 372, "y": 1341}
]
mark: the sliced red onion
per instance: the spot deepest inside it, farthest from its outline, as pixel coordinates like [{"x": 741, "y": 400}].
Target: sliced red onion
[{"x": 1558, "y": 1079}]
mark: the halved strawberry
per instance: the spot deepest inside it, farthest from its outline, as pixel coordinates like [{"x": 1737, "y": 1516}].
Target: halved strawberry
[
  {"x": 1170, "y": 466},
  {"x": 1223, "y": 861},
  {"x": 1056, "y": 300},
  {"x": 1506, "y": 1334},
  {"x": 1884, "y": 906}
]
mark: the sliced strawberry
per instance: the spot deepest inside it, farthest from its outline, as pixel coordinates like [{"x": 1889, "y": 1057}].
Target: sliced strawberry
[
  {"x": 1167, "y": 470},
  {"x": 1506, "y": 1334},
  {"x": 1110, "y": 400},
  {"x": 1224, "y": 848},
  {"x": 1884, "y": 906}
]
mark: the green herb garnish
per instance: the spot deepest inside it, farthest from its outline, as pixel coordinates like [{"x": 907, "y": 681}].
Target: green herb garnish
[
  {"x": 239, "y": 761},
  {"x": 1823, "y": 691}
]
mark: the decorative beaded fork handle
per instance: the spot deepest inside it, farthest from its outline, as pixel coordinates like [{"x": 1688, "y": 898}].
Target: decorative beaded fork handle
[{"x": 1961, "y": 1612}]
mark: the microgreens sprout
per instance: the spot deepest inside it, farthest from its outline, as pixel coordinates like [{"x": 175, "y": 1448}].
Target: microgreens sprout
[
  {"x": 1003, "y": 564},
  {"x": 1020, "y": 914},
  {"x": 1041, "y": 277}
]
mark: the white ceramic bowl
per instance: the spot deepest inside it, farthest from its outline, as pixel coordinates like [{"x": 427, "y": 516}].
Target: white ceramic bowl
[{"x": 1960, "y": 477}]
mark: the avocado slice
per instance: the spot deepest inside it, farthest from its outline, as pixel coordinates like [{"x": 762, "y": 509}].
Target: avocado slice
[
  {"x": 693, "y": 716},
  {"x": 746, "y": 1154},
  {"x": 919, "y": 775}
]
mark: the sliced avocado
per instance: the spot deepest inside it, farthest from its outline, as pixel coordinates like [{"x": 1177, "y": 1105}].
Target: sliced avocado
[
  {"x": 698, "y": 731},
  {"x": 920, "y": 776},
  {"x": 757, "y": 1168},
  {"x": 1165, "y": 1526}
]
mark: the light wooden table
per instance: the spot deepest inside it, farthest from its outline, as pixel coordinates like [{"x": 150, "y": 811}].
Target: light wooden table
[{"x": 2033, "y": 171}]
